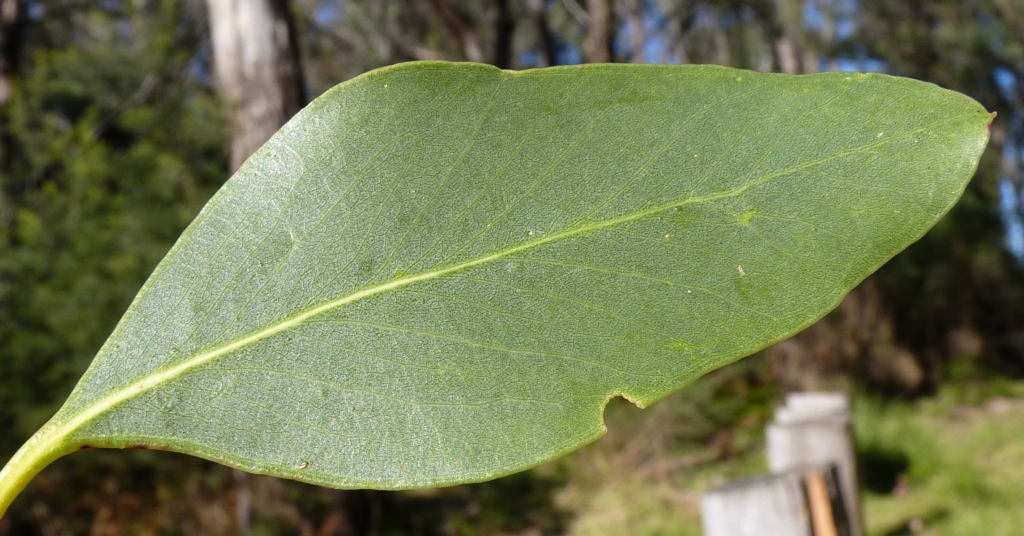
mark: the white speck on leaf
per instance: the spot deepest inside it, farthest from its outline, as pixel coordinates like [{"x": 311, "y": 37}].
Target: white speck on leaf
[{"x": 740, "y": 269}]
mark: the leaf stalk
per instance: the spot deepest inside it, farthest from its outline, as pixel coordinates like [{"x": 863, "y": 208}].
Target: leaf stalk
[{"x": 39, "y": 451}]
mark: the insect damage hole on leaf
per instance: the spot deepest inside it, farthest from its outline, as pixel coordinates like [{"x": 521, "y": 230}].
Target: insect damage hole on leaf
[{"x": 624, "y": 396}]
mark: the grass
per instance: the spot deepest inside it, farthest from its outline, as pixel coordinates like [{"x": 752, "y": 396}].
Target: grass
[{"x": 964, "y": 461}]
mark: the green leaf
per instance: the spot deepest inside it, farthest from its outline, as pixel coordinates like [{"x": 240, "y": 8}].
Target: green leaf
[{"x": 440, "y": 273}]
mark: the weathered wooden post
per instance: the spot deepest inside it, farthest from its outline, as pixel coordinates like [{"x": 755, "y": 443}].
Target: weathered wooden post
[
  {"x": 815, "y": 429},
  {"x": 813, "y": 490},
  {"x": 799, "y": 502}
]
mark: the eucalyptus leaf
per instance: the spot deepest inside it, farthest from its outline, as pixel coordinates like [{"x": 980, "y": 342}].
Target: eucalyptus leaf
[{"x": 441, "y": 273}]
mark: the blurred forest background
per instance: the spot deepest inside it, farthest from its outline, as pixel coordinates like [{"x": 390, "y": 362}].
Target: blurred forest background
[{"x": 120, "y": 118}]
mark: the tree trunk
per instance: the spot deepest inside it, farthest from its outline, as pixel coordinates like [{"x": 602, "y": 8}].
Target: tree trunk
[
  {"x": 680, "y": 18},
  {"x": 787, "y": 57},
  {"x": 504, "y": 30},
  {"x": 12, "y": 25},
  {"x": 597, "y": 44},
  {"x": 783, "y": 21},
  {"x": 538, "y": 9},
  {"x": 257, "y": 69},
  {"x": 460, "y": 29},
  {"x": 633, "y": 11}
]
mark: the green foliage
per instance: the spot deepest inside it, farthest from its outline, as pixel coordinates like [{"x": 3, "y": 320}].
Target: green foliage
[
  {"x": 441, "y": 273},
  {"x": 110, "y": 147}
]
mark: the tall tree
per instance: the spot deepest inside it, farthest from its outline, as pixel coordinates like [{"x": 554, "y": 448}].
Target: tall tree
[
  {"x": 597, "y": 44},
  {"x": 504, "y": 30},
  {"x": 257, "y": 68},
  {"x": 258, "y": 72}
]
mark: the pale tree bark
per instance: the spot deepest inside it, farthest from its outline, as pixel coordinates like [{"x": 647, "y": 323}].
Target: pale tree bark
[
  {"x": 597, "y": 43},
  {"x": 785, "y": 28},
  {"x": 257, "y": 69},
  {"x": 785, "y": 50}
]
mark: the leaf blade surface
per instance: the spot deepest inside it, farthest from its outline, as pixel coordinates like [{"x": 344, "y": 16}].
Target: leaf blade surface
[{"x": 440, "y": 273}]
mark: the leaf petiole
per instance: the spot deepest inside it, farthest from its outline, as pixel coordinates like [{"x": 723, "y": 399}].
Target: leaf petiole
[{"x": 40, "y": 450}]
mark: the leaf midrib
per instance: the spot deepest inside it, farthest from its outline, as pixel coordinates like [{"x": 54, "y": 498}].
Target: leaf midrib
[{"x": 155, "y": 379}]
